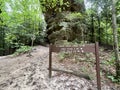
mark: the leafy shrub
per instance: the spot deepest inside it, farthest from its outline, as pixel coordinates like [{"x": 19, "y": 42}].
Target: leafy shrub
[
  {"x": 22, "y": 50},
  {"x": 75, "y": 16},
  {"x": 114, "y": 79}
]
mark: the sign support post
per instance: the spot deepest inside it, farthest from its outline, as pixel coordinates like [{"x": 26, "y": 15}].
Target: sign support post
[
  {"x": 97, "y": 66},
  {"x": 50, "y": 61}
]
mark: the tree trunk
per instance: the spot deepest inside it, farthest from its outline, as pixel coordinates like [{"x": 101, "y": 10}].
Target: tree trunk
[
  {"x": 92, "y": 29},
  {"x": 115, "y": 37},
  {"x": 99, "y": 31},
  {"x": 106, "y": 26}
]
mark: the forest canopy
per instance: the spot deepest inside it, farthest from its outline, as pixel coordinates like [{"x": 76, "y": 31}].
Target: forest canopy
[{"x": 23, "y": 19}]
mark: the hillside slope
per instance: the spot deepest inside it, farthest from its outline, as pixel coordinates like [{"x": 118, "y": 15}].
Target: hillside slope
[{"x": 30, "y": 73}]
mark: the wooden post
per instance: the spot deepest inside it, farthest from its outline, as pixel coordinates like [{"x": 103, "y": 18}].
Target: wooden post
[
  {"x": 97, "y": 66},
  {"x": 50, "y": 61}
]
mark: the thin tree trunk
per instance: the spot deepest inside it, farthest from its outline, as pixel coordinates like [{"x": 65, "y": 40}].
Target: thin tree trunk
[
  {"x": 99, "y": 31},
  {"x": 3, "y": 41},
  {"x": 106, "y": 27},
  {"x": 115, "y": 37},
  {"x": 92, "y": 29}
]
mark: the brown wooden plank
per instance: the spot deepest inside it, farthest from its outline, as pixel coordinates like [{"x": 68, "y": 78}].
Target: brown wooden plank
[{"x": 75, "y": 49}]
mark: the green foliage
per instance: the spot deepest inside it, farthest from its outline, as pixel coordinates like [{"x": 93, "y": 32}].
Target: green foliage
[
  {"x": 19, "y": 21},
  {"x": 114, "y": 79},
  {"x": 79, "y": 1},
  {"x": 22, "y": 50},
  {"x": 74, "y": 16},
  {"x": 61, "y": 56},
  {"x": 54, "y": 5},
  {"x": 112, "y": 61}
]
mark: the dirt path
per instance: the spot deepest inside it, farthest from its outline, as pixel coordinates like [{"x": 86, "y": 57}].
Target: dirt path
[{"x": 30, "y": 73}]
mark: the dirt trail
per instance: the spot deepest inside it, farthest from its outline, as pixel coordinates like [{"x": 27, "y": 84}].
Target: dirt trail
[{"x": 30, "y": 73}]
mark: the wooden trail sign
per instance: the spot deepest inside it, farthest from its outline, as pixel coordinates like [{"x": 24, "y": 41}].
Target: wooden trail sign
[{"x": 88, "y": 48}]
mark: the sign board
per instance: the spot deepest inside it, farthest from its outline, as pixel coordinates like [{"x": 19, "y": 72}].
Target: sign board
[
  {"x": 73, "y": 49},
  {"x": 88, "y": 48}
]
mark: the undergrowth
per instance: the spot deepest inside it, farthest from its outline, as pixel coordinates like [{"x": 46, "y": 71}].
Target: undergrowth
[{"x": 22, "y": 50}]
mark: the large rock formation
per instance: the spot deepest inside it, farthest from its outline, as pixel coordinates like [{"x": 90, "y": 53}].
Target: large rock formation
[{"x": 67, "y": 24}]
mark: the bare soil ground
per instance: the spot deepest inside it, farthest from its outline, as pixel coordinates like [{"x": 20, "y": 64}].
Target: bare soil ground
[{"x": 31, "y": 73}]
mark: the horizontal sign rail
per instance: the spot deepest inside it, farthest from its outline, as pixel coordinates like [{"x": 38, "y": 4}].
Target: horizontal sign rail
[{"x": 74, "y": 49}]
